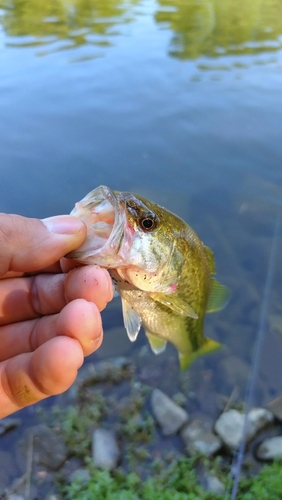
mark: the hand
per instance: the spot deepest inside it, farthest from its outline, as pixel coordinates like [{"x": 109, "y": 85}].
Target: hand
[{"x": 49, "y": 310}]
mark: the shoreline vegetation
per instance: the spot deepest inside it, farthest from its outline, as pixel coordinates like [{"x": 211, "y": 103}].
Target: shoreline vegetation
[{"x": 140, "y": 456}]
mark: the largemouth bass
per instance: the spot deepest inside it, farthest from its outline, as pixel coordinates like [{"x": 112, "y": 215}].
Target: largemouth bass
[{"x": 161, "y": 269}]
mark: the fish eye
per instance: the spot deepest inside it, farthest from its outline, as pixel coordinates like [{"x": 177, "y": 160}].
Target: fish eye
[{"x": 148, "y": 223}]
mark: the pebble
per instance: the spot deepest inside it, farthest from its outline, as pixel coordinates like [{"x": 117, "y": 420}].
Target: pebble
[
  {"x": 82, "y": 475},
  {"x": 170, "y": 416},
  {"x": 105, "y": 450},
  {"x": 270, "y": 448},
  {"x": 213, "y": 484},
  {"x": 199, "y": 438},
  {"x": 230, "y": 425}
]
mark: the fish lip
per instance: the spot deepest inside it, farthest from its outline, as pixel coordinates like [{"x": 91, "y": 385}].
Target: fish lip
[{"x": 107, "y": 254}]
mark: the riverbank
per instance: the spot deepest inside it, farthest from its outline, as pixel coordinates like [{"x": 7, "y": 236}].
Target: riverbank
[{"x": 120, "y": 437}]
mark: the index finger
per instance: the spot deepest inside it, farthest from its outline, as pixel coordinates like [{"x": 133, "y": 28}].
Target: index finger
[{"x": 28, "y": 245}]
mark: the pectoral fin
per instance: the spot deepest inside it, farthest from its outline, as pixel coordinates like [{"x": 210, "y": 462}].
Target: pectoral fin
[
  {"x": 175, "y": 304},
  {"x": 219, "y": 296},
  {"x": 131, "y": 319},
  {"x": 157, "y": 344},
  {"x": 185, "y": 360}
]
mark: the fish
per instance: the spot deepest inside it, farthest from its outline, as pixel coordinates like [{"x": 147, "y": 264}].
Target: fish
[{"x": 161, "y": 269}]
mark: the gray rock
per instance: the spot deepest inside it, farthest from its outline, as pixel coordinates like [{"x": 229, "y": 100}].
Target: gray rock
[
  {"x": 199, "y": 438},
  {"x": 48, "y": 449},
  {"x": 14, "y": 496},
  {"x": 53, "y": 496},
  {"x": 258, "y": 418},
  {"x": 170, "y": 416},
  {"x": 7, "y": 424},
  {"x": 82, "y": 475},
  {"x": 233, "y": 372},
  {"x": 270, "y": 448},
  {"x": 275, "y": 407},
  {"x": 105, "y": 450},
  {"x": 8, "y": 469},
  {"x": 213, "y": 484},
  {"x": 230, "y": 425}
]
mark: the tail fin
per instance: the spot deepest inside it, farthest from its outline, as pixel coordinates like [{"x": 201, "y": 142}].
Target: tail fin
[{"x": 186, "y": 360}]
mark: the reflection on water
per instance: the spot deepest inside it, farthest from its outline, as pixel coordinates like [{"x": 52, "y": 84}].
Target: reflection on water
[
  {"x": 214, "y": 27},
  {"x": 199, "y": 27},
  {"x": 205, "y": 144},
  {"x": 78, "y": 21}
]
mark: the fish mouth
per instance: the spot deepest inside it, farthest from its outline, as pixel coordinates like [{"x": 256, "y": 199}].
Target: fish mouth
[{"x": 105, "y": 219}]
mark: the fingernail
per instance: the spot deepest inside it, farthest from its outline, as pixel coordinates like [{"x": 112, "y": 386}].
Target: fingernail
[{"x": 63, "y": 224}]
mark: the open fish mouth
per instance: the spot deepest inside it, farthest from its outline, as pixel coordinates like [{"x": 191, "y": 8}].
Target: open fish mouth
[{"x": 105, "y": 219}]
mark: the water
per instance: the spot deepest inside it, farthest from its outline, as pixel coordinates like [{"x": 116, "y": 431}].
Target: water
[{"x": 176, "y": 100}]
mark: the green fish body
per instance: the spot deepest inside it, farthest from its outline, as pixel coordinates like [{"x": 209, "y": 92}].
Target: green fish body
[{"x": 161, "y": 269}]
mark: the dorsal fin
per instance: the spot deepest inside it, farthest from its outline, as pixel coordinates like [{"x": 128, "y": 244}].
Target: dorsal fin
[{"x": 211, "y": 261}]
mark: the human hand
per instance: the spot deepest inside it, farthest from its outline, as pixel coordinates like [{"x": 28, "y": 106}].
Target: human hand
[{"x": 49, "y": 310}]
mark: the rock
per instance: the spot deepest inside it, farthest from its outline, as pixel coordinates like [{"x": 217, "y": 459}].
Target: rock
[
  {"x": 48, "y": 449},
  {"x": 275, "y": 407},
  {"x": 82, "y": 475},
  {"x": 199, "y": 438},
  {"x": 213, "y": 484},
  {"x": 170, "y": 416},
  {"x": 14, "y": 496},
  {"x": 230, "y": 425},
  {"x": 53, "y": 496},
  {"x": 8, "y": 470},
  {"x": 233, "y": 372},
  {"x": 105, "y": 450},
  {"x": 114, "y": 370},
  {"x": 7, "y": 424},
  {"x": 270, "y": 448}
]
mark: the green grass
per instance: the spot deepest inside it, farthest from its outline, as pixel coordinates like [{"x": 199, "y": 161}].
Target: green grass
[{"x": 178, "y": 482}]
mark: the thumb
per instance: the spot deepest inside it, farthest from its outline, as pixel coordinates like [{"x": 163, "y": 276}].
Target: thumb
[{"x": 28, "y": 245}]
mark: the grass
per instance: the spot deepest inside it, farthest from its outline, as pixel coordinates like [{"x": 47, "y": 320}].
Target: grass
[
  {"x": 150, "y": 470},
  {"x": 177, "y": 482}
]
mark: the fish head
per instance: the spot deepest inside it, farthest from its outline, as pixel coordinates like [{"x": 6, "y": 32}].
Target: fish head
[{"x": 132, "y": 235}]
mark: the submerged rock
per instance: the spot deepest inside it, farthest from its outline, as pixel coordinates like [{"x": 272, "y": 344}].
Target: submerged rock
[
  {"x": 170, "y": 416},
  {"x": 230, "y": 425},
  {"x": 213, "y": 484},
  {"x": 105, "y": 450},
  {"x": 114, "y": 370},
  {"x": 7, "y": 424},
  {"x": 82, "y": 475},
  {"x": 275, "y": 407},
  {"x": 48, "y": 449},
  {"x": 199, "y": 438},
  {"x": 270, "y": 448},
  {"x": 14, "y": 496}
]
